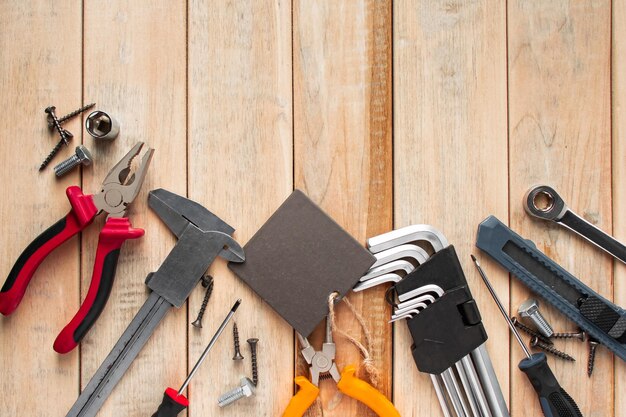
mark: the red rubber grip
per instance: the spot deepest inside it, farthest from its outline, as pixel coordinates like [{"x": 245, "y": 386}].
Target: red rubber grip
[
  {"x": 82, "y": 214},
  {"x": 114, "y": 233}
]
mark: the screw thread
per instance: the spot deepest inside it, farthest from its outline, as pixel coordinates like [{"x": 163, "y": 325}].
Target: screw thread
[
  {"x": 209, "y": 289},
  {"x": 238, "y": 355},
  {"x": 255, "y": 371},
  {"x": 551, "y": 349},
  {"x": 542, "y": 324},
  {"x": 52, "y": 154},
  {"x": 72, "y": 114},
  {"x": 580, "y": 336},
  {"x": 530, "y": 331},
  {"x": 230, "y": 397},
  {"x": 66, "y": 166},
  {"x": 591, "y": 360}
]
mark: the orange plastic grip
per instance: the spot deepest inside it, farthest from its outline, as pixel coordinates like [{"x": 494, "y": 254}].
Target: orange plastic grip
[
  {"x": 365, "y": 393},
  {"x": 303, "y": 399}
]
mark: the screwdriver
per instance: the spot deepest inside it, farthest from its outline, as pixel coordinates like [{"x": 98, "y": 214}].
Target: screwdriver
[
  {"x": 174, "y": 401},
  {"x": 555, "y": 402}
]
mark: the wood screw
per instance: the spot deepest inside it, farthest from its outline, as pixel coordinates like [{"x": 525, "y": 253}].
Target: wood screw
[
  {"x": 591, "y": 359},
  {"x": 582, "y": 336},
  {"x": 238, "y": 355},
  {"x": 530, "y": 331},
  {"x": 255, "y": 372},
  {"x": 535, "y": 342},
  {"x": 207, "y": 282}
]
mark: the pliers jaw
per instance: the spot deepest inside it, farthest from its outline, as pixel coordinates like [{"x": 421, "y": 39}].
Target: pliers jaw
[{"x": 120, "y": 186}]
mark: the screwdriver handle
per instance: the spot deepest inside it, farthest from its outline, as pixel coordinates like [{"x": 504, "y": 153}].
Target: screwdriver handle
[
  {"x": 172, "y": 404},
  {"x": 555, "y": 402}
]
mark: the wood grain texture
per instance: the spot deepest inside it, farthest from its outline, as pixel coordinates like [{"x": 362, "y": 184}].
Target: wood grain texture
[
  {"x": 449, "y": 152},
  {"x": 39, "y": 67},
  {"x": 559, "y": 110},
  {"x": 618, "y": 88},
  {"x": 135, "y": 69},
  {"x": 240, "y": 167},
  {"x": 342, "y": 154}
]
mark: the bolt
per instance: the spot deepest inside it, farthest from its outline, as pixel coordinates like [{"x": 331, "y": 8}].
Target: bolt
[
  {"x": 237, "y": 356},
  {"x": 582, "y": 336},
  {"x": 530, "y": 309},
  {"x": 530, "y": 331},
  {"x": 591, "y": 359},
  {"x": 246, "y": 389},
  {"x": 81, "y": 157},
  {"x": 535, "y": 342},
  {"x": 207, "y": 282},
  {"x": 68, "y": 116},
  {"x": 255, "y": 373}
]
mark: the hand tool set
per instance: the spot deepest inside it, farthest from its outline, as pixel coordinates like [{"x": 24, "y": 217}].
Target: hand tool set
[
  {"x": 174, "y": 401},
  {"x": 555, "y": 402},
  {"x": 119, "y": 189},
  {"x": 432, "y": 294},
  {"x": 202, "y": 236}
]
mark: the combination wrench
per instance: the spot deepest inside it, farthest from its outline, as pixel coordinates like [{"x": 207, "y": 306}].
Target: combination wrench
[{"x": 545, "y": 203}]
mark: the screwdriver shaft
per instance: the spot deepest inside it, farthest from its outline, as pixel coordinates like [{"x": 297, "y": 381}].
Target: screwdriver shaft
[
  {"x": 501, "y": 307},
  {"x": 209, "y": 346}
]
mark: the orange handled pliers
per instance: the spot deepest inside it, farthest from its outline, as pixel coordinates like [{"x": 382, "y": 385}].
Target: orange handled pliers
[{"x": 322, "y": 364}]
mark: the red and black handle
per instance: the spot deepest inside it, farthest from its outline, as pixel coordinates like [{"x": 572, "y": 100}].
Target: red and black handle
[
  {"x": 115, "y": 232},
  {"x": 82, "y": 214},
  {"x": 172, "y": 404}
]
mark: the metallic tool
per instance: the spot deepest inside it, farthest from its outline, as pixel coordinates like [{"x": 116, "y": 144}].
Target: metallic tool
[
  {"x": 253, "y": 361},
  {"x": 119, "y": 189},
  {"x": 555, "y": 402},
  {"x": 530, "y": 309},
  {"x": 65, "y": 136},
  {"x": 101, "y": 126},
  {"x": 536, "y": 342},
  {"x": 597, "y": 316},
  {"x": 245, "y": 389},
  {"x": 479, "y": 395},
  {"x": 591, "y": 358},
  {"x": 322, "y": 365},
  {"x": 238, "y": 356},
  {"x": 81, "y": 156},
  {"x": 61, "y": 120},
  {"x": 545, "y": 203},
  {"x": 413, "y": 252},
  {"x": 174, "y": 401},
  {"x": 207, "y": 282},
  {"x": 202, "y": 237}
]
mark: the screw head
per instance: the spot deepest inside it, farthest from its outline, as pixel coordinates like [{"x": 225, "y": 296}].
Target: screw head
[
  {"x": 247, "y": 387},
  {"x": 528, "y": 307},
  {"x": 84, "y": 155},
  {"x": 50, "y": 109},
  {"x": 253, "y": 341}
]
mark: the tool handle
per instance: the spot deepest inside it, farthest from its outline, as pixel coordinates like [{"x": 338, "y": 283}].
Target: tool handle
[
  {"x": 172, "y": 404},
  {"x": 114, "y": 233},
  {"x": 360, "y": 390},
  {"x": 555, "y": 402},
  {"x": 594, "y": 235},
  {"x": 303, "y": 399},
  {"x": 82, "y": 214}
]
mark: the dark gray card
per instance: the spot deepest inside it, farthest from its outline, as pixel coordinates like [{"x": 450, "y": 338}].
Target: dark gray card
[{"x": 297, "y": 258}]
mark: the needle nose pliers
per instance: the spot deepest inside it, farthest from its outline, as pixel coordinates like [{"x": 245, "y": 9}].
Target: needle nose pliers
[
  {"x": 119, "y": 189},
  {"x": 322, "y": 366}
]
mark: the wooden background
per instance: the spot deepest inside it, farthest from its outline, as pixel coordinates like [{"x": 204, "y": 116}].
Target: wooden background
[{"x": 384, "y": 113}]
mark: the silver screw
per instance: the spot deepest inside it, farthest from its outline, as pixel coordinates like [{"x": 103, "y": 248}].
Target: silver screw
[
  {"x": 81, "y": 157},
  {"x": 246, "y": 389},
  {"x": 530, "y": 309}
]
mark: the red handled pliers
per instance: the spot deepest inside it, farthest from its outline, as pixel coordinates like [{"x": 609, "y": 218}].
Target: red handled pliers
[{"x": 119, "y": 189}]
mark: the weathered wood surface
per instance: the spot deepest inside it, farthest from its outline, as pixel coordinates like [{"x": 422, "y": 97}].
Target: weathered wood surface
[{"x": 384, "y": 113}]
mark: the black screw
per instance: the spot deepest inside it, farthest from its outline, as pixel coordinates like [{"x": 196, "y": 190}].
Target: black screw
[
  {"x": 530, "y": 331},
  {"x": 207, "y": 282},
  {"x": 591, "y": 359},
  {"x": 255, "y": 373},
  {"x": 238, "y": 355},
  {"x": 582, "y": 336},
  {"x": 535, "y": 342},
  {"x": 68, "y": 116},
  {"x": 65, "y": 137}
]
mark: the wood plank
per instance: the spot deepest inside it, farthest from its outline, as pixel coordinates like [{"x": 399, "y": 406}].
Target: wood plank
[
  {"x": 618, "y": 106},
  {"x": 135, "y": 69},
  {"x": 40, "y": 67},
  {"x": 343, "y": 155},
  {"x": 449, "y": 152},
  {"x": 240, "y": 167},
  {"x": 559, "y": 109}
]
